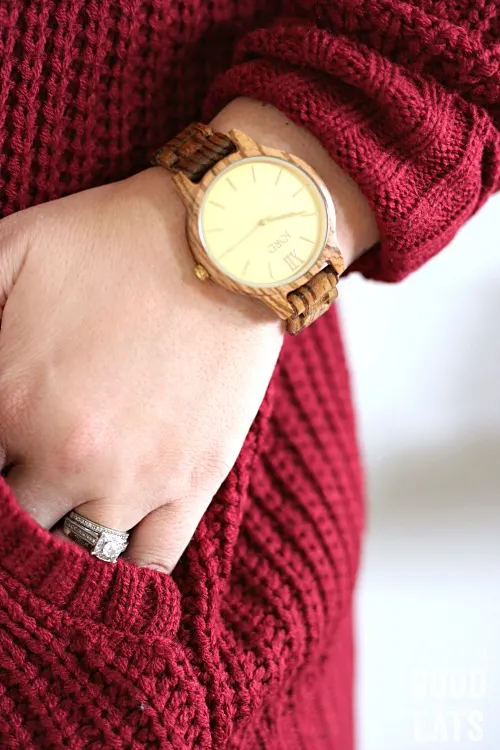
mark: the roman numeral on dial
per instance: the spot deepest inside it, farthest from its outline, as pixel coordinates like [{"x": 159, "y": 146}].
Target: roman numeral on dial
[{"x": 293, "y": 261}]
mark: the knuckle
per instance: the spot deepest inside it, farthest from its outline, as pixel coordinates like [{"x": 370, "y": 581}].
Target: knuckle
[
  {"x": 189, "y": 474},
  {"x": 84, "y": 442},
  {"x": 14, "y": 395},
  {"x": 186, "y": 475},
  {"x": 208, "y": 472}
]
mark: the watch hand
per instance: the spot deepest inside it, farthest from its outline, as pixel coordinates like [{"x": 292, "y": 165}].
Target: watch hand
[
  {"x": 260, "y": 223},
  {"x": 283, "y": 216}
]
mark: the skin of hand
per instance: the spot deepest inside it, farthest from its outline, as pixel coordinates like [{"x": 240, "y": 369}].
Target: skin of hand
[{"x": 127, "y": 387}]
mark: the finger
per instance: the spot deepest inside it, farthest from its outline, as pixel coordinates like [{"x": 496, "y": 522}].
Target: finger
[
  {"x": 47, "y": 504},
  {"x": 118, "y": 515},
  {"x": 160, "y": 539}
]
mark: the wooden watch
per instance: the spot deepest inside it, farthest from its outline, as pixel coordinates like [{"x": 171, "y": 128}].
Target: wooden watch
[{"x": 260, "y": 221}]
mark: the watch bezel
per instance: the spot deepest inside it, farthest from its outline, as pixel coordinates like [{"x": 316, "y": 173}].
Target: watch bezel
[{"x": 193, "y": 194}]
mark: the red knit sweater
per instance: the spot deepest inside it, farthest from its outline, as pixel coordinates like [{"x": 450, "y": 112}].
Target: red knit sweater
[{"x": 248, "y": 644}]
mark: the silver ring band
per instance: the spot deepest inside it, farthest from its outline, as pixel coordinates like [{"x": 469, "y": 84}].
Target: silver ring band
[{"x": 106, "y": 544}]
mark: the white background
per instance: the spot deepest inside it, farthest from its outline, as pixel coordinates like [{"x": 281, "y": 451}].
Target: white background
[{"x": 425, "y": 359}]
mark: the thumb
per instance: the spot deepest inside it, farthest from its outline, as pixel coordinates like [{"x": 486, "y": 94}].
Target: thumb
[
  {"x": 13, "y": 250},
  {"x": 159, "y": 540}
]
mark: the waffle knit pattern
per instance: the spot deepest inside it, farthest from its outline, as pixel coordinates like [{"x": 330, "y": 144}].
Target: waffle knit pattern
[{"x": 248, "y": 644}]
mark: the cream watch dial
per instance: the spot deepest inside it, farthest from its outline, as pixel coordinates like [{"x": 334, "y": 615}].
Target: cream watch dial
[{"x": 263, "y": 221}]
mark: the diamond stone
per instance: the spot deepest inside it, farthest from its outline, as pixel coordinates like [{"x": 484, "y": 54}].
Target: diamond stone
[{"x": 109, "y": 547}]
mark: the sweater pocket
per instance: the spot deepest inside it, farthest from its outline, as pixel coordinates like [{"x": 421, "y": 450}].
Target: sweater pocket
[{"x": 71, "y": 682}]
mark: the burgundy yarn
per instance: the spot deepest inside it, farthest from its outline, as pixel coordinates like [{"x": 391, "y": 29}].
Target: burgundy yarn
[{"x": 249, "y": 644}]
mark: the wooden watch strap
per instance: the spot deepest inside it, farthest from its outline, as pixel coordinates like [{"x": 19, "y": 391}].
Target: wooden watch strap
[
  {"x": 312, "y": 299},
  {"x": 194, "y": 151}
]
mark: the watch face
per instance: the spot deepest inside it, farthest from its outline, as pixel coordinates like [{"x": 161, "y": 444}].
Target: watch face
[{"x": 263, "y": 221}]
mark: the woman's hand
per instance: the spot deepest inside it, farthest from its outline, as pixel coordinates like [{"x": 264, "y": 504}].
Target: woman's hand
[{"x": 127, "y": 386}]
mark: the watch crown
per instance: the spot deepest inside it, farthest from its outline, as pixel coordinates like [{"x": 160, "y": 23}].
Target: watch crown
[{"x": 201, "y": 272}]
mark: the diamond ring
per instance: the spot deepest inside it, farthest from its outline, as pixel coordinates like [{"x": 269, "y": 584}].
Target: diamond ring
[{"x": 106, "y": 544}]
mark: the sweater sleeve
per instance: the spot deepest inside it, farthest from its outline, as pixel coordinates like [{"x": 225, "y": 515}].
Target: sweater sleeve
[{"x": 405, "y": 97}]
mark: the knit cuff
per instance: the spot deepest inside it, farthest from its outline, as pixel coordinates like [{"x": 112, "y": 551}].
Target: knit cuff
[
  {"x": 121, "y": 596},
  {"x": 424, "y": 158}
]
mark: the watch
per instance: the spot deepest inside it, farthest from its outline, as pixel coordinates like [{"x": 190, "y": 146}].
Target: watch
[{"x": 260, "y": 221}]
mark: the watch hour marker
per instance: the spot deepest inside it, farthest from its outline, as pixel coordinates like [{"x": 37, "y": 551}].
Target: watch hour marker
[
  {"x": 214, "y": 203},
  {"x": 298, "y": 191},
  {"x": 293, "y": 261},
  {"x": 279, "y": 175},
  {"x": 270, "y": 270},
  {"x": 214, "y": 229},
  {"x": 246, "y": 268},
  {"x": 229, "y": 180},
  {"x": 253, "y": 172},
  {"x": 228, "y": 250},
  {"x": 306, "y": 239}
]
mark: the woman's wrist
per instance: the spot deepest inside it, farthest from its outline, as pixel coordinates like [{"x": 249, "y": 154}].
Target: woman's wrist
[{"x": 356, "y": 225}]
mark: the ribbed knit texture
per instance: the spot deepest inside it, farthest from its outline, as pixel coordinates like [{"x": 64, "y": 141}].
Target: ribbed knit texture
[{"x": 249, "y": 644}]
